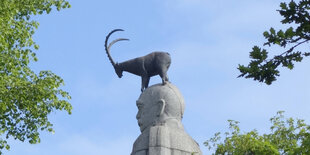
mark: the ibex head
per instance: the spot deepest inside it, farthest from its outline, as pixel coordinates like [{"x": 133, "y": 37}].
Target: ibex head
[
  {"x": 118, "y": 70},
  {"x": 116, "y": 66}
]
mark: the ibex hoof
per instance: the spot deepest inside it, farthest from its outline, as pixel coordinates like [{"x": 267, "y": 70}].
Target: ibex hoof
[{"x": 165, "y": 82}]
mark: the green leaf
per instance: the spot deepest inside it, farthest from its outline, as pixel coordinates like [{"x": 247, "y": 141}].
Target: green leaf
[
  {"x": 281, "y": 34},
  {"x": 36, "y": 47},
  {"x": 266, "y": 34},
  {"x": 283, "y": 6},
  {"x": 290, "y": 65},
  {"x": 289, "y": 33},
  {"x": 292, "y": 5},
  {"x": 272, "y": 31}
]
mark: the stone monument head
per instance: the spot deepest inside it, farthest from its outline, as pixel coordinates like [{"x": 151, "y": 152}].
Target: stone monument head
[
  {"x": 160, "y": 104},
  {"x": 161, "y": 109}
]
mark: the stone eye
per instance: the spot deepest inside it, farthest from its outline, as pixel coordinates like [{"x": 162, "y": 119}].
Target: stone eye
[{"x": 139, "y": 104}]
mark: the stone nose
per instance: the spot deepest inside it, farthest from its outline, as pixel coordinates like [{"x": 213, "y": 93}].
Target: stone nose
[{"x": 138, "y": 116}]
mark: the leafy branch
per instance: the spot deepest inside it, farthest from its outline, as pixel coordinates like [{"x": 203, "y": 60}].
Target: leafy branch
[
  {"x": 266, "y": 70},
  {"x": 287, "y": 136},
  {"x": 26, "y": 98}
]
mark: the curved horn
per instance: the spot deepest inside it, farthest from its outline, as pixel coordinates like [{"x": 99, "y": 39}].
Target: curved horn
[{"x": 107, "y": 48}]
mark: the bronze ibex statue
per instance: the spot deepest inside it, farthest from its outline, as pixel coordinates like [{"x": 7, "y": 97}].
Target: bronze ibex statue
[{"x": 155, "y": 63}]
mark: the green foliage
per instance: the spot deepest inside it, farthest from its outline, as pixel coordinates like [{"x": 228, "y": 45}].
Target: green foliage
[
  {"x": 265, "y": 70},
  {"x": 26, "y": 98},
  {"x": 287, "y": 137}
]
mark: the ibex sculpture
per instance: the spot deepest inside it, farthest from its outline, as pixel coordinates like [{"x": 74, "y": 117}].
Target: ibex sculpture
[{"x": 155, "y": 63}]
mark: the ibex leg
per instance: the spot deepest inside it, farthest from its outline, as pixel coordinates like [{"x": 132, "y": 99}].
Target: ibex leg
[
  {"x": 145, "y": 82},
  {"x": 164, "y": 76}
]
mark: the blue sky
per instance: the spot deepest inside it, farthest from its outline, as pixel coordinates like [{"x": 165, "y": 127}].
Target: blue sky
[{"x": 206, "y": 39}]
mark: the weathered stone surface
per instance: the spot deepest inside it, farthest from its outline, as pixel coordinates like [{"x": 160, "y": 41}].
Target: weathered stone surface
[{"x": 161, "y": 109}]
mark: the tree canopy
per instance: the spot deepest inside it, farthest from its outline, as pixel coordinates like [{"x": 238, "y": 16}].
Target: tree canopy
[
  {"x": 26, "y": 97},
  {"x": 288, "y": 137},
  {"x": 264, "y": 69}
]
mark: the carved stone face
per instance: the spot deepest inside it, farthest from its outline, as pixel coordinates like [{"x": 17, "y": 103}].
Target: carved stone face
[{"x": 148, "y": 112}]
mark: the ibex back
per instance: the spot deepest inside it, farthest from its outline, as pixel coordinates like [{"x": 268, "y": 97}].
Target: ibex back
[{"x": 155, "y": 63}]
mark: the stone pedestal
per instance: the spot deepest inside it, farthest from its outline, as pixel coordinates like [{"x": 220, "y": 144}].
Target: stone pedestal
[{"x": 161, "y": 109}]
